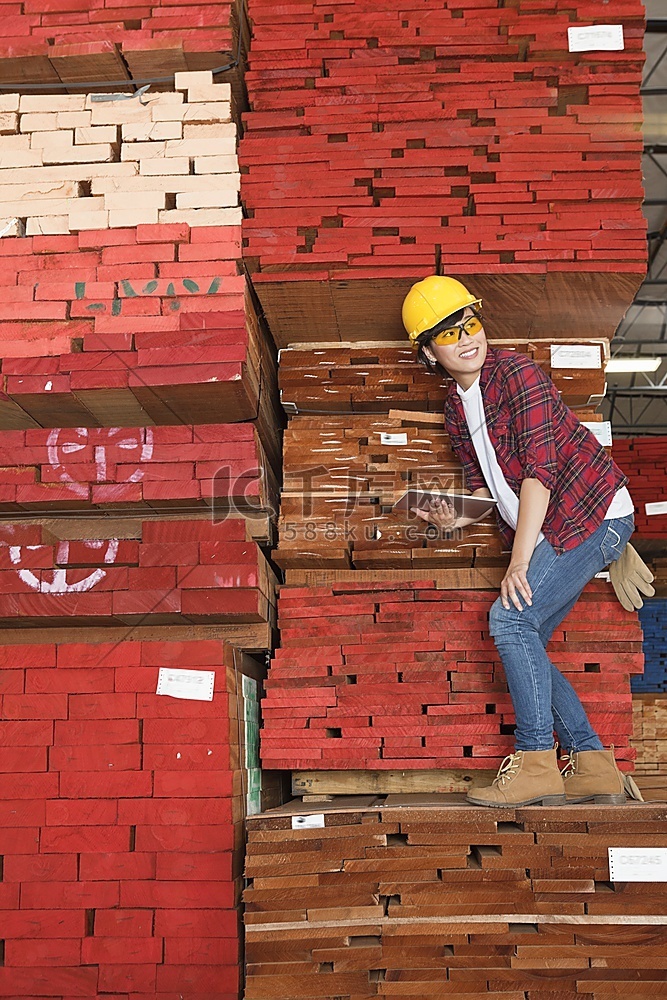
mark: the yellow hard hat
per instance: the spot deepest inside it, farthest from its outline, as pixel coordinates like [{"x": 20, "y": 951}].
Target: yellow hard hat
[{"x": 430, "y": 301}]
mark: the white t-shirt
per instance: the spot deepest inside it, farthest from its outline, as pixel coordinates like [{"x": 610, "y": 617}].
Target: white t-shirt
[{"x": 508, "y": 502}]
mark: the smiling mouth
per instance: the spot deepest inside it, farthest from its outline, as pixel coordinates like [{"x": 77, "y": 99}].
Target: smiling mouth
[{"x": 470, "y": 353}]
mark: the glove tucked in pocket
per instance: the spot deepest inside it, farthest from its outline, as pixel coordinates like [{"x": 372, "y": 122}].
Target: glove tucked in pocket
[{"x": 630, "y": 576}]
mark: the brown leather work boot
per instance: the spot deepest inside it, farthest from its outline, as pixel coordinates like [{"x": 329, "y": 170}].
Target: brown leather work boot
[
  {"x": 525, "y": 778},
  {"x": 592, "y": 776}
]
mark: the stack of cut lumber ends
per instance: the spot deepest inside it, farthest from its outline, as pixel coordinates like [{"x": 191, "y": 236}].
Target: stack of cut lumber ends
[
  {"x": 653, "y": 618},
  {"x": 649, "y": 703},
  {"x": 343, "y": 471},
  {"x": 73, "y": 42},
  {"x": 405, "y": 675},
  {"x": 163, "y": 571},
  {"x": 372, "y": 378},
  {"x": 131, "y": 327},
  {"x": 122, "y": 814},
  {"x": 221, "y": 466},
  {"x": 644, "y": 461},
  {"x": 383, "y": 144},
  {"x": 409, "y": 896},
  {"x": 139, "y": 469},
  {"x": 650, "y": 736},
  {"x": 342, "y": 476},
  {"x": 70, "y": 163},
  {"x": 123, "y": 296}
]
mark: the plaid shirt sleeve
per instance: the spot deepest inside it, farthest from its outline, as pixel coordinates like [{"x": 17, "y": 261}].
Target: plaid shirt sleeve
[{"x": 530, "y": 395}]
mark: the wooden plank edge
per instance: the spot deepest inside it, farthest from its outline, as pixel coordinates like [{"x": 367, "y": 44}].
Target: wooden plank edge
[
  {"x": 314, "y": 784},
  {"x": 463, "y": 578}
]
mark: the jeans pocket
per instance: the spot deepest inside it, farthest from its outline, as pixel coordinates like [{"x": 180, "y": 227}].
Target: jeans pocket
[{"x": 615, "y": 539}]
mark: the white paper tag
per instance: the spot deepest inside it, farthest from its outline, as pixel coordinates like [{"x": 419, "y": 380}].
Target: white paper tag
[
  {"x": 604, "y": 575},
  {"x": 576, "y": 356},
  {"x": 313, "y": 822},
  {"x": 656, "y": 508},
  {"x": 601, "y": 430},
  {"x": 194, "y": 685},
  {"x": 603, "y": 37},
  {"x": 637, "y": 864},
  {"x": 393, "y": 438}
]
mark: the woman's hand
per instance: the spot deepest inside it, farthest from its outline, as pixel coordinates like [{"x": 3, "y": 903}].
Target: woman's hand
[
  {"x": 515, "y": 582},
  {"x": 440, "y": 513}
]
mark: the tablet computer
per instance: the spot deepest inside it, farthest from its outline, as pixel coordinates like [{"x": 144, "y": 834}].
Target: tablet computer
[{"x": 464, "y": 504}]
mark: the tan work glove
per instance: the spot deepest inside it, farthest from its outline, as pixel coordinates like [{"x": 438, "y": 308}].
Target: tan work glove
[{"x": 629, "y": 575}]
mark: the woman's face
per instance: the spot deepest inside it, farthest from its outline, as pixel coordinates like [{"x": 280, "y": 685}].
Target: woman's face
[{"x": 464, "y": 358}]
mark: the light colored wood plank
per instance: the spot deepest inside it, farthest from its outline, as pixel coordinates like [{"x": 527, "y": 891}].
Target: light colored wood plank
[{"x": 316, "y": 784}]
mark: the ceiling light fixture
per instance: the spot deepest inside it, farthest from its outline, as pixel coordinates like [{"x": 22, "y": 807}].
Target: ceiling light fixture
[{"x": 633, "y": 364}]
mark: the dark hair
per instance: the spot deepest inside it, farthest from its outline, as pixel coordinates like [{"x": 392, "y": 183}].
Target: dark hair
[{"x": 425, "y": 338}]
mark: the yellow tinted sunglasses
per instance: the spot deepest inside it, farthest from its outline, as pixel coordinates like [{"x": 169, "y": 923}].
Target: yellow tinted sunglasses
[{"x": 452, "y": 334}]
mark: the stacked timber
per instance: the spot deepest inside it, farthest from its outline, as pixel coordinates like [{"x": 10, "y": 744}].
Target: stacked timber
[
  {"x": 363, "y": 378},
  {"x": 342, "y": 476},
  {"x": 653, "y": 618},
  {"x": 410, "y": 895},
  {"x": 139, "y": 467},
  {"x": 404, "y": 675},
  {"x": 123, "y": 296},
  {"x": 76, "y": 42},
  {"x": 131, "y": 327},
  {"x": 166, "y": 571},
  {"x": 644, "y": 461},
  {"x": 650, "y": 737},
  {"x": 70, "y": 163},
  {"x": 221, "y": 466},
  {"x": 121, "y": 823},
  {"x": 649, "y": 703},
  {"x": 386, "y": 143}
]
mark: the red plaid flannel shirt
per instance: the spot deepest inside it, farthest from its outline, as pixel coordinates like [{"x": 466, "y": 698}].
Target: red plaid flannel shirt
[{"x": 536, "y": 436}]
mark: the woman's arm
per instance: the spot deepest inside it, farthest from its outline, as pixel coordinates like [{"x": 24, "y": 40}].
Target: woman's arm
[
  {"x": 533, "y": 503},
  {"x": 444, "y": 516}
]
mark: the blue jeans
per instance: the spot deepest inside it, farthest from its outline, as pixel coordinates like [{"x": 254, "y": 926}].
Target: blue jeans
[{"x": 542, "y": 697}]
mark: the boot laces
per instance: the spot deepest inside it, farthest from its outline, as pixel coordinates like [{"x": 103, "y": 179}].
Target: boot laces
[
  {"x": 570, "y": 765},
  {"x": 509, "y": 768}
]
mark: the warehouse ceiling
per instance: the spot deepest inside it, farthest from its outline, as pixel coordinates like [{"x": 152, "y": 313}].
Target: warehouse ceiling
[{"x": 637, "y": 404}]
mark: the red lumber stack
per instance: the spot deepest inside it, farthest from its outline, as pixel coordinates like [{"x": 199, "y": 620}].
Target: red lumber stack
[
  {"x": 644, "y": 461},
  {"x": 121, "y": 814},
  {"x": 166, "y": 571},
  {"x": 139, "y": 401},
  {"x": 405, "y": 675},
  {"x": 132, "y": 326},
  {"x": 386, "y": 144},
  {"x": 222, "y": 466}
]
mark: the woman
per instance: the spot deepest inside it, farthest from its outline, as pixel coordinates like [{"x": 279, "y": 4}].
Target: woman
[{"x": 564, "y": 510}]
